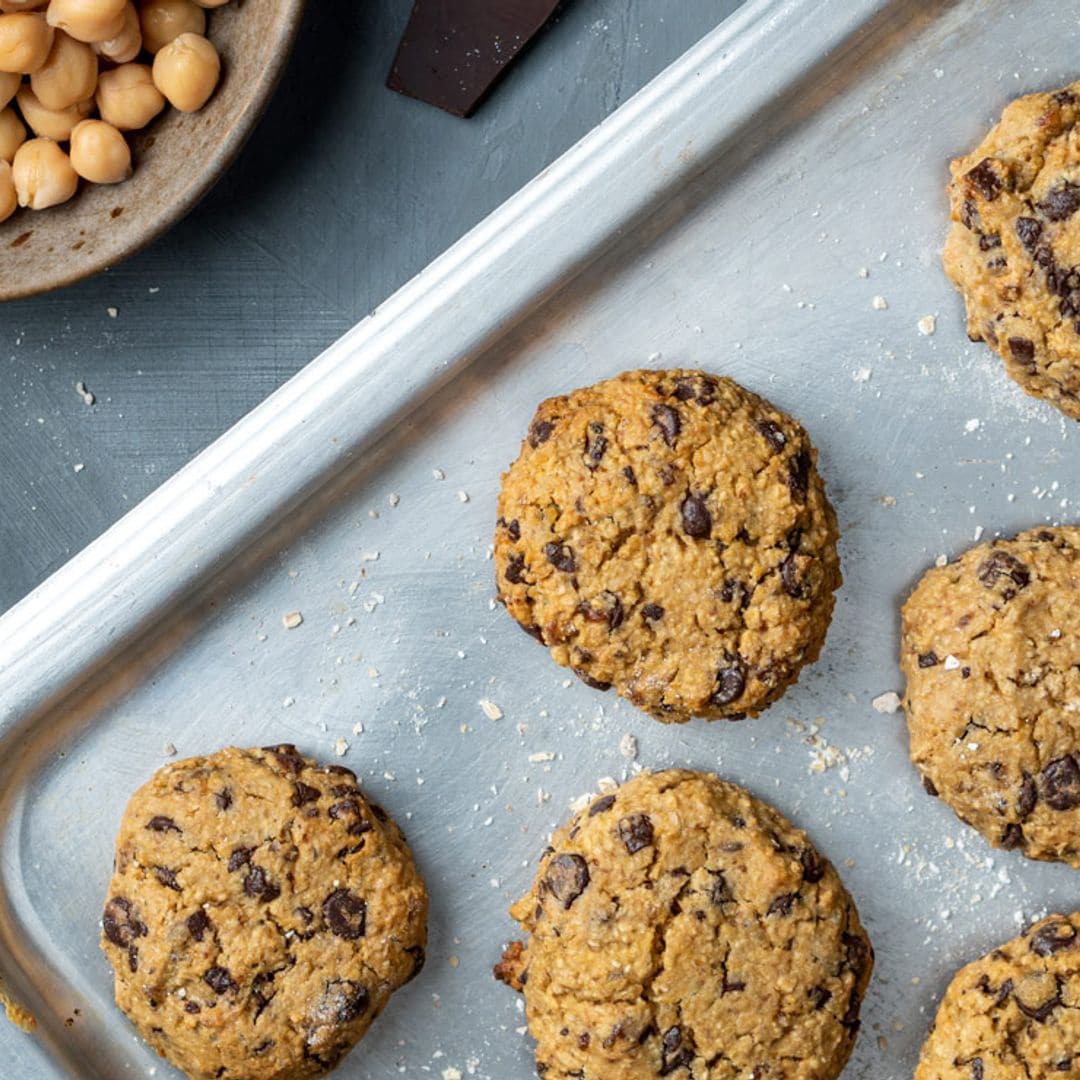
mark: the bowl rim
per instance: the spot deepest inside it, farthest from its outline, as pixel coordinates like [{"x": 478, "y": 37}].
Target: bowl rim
[{"x": 60, "y": 277}]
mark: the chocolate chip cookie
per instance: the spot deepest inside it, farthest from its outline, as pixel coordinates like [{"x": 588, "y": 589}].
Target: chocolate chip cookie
[
  {"x": 260, "y": 915},
  {"x": 990, "y": 647},
  {"x": 667, "y": 533},
  {"x": 679, "y": 927},
  {"x": 1014, "y": 1014},
  {"x": 1014, "y": 248}
]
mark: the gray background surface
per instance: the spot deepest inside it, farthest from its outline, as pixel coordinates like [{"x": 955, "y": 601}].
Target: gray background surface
[{"x": 344, "y": 192}]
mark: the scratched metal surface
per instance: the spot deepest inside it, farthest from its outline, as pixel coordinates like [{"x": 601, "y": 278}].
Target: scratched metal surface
[{"x": 790, "y": 173}]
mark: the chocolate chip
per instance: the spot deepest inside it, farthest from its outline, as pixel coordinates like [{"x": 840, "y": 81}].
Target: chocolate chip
[
  {"x": 1060, "y": 782},
  {"x": 241, "y": 856},
  {"x": 304, "y": 793},
  {"x": 305, "y": 914},
  {"x": 596, "y": 445},
  {"x": 1001, "y": 565},
  {"x": 928, "y": 659},
  {"x": 197, "y": 924},
  {"x": 567, "y": 878},
  {"x": 602, "y": 805},
  {"x": 929, "y": 786},
  {"x": 1062, "y": 201},
  {"x": 161, "y": 823},
  {"x": 419, "y": 957},
  {"x": 223, "y": 799},
  {"x": 856, "y": 951},
  {"x": 1052, "y": 938},
  {"x": 346, "y": 914},
  {"x": 774, "y": 434},
  {"x": 813, "y": 866},
  {"x": 819, "y": 996},
  {"x": 588, "y": 680},
  {"x": 540, "y": 432},
  {"x": 219, "y": 980},
  {"x": 636, "y": 832},
  {"x": 515, "y": 569},
  {"x": 631, "y": 477},
  {"x": 259, "y": 885},
  {"x": 799, "y": 475},
  {"x": 701, "y": 389},
  {"x": 513, "y": 529},
  {"x": 988, "y": 243},
  {"x": 350, "y": 808},
  {"x": 288, "y": 757},
  {"x": 192, "y": 1007},
  {"x": 719, "y": 890},
  {"x": 1026, "y": 800},
  {"x": 341, "y": 1002},
  {"x": 167, "y": 877},
  {"x": 985, "y": 179},
  {"x": 561, "y": 556},
  {"x": 696, "y": 519},
  {"x": 1012, "y": 837},
  {"x": 1039, "y": 1013},
  {"x": 789, "y": 577},
  {"x": 259, "y": 985},
  {"x": 678, "y": 1050},
  {"x": 121, "y": 923},
  {"x": 1029, "y": 231},
  {"x": 730, "y": 684},
  {"x": 977, "y": 1069},
  {"x": 782, "y": 904},
  {"x": 1022, "y": 349},
  {"x": 652, "y": 612},
  {"x": 668, "y": 421}
]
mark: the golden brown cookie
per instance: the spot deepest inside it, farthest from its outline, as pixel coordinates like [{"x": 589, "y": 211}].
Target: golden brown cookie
[
  {"x": 1014, "y": 1014},
  {"x": 679, "y": 927},
  {"x": 1014, "y": 248},
  {"x": 990, "y": 648},
  {"x": 667, "y": 533},
  {"x": 260, "y": 915}
]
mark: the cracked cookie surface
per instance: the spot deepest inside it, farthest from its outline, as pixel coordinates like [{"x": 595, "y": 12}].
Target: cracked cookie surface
[
  {"x": 990, "y": 648},
  {"x": 667, "y": 533},
  {"x": 1014, "y": 1014},
  {"x": 1014, "y": 248},
  {"x": 260, "y": 915},
  {"x": 680, "y": 927}
]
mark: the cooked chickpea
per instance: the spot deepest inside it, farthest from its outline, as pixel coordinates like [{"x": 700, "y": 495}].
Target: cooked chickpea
[
  {"x": 186, "y": 71},
  {"x": 88, "y": 20},
  {"x": 12, "y": 133},
  {"x": 127, "y": 44},
  {"x": 8, "y": 199},
  {"x": 9, "y": 86},
  {"x": 70, "y": 74},
  {"x": 43, "y": 175},
  {"x": 163, "y": 20},
  {"x": 51, "y": 123},
  {"x": 25, "y": 40},
  {"x": 127, "y": 97},
  {"x": 99, "y": 153}
]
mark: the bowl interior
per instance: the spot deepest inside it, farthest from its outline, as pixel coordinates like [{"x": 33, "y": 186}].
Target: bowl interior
[{"x": 177, "y": 158}]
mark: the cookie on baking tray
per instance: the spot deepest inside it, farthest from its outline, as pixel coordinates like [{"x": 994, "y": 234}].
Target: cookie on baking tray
[
  {"x": 680, "y": 927},
  {"x": 1014, "y": 248},
  {"x": 990, "y": 648},
  {"x": 667, "y": 533},
  {"x": 260, "y": 915},
  {"x": 1014, "y": 1014}
]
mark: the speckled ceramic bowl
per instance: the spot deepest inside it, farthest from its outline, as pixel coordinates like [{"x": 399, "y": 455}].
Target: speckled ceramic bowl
[{"x": 178, "y": 158}]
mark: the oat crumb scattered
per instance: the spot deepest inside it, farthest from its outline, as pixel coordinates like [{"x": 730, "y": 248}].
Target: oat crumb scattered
[
  {"x": 880, "y": 303},
  {"x": 341, "y": 746},
  {"x": 292, "y": 620},
  {"x": 438, "y": 474},
  {"x": 889, "y": 702},
  {"x": 112, "y": 312},
  {"x": 84, "y": 393},
  {"x": 490, "y": 709},
  {"x": 170, "y": 750},
  {"x": 628, "y": 747},
  {"x": 927, "y": 325}
]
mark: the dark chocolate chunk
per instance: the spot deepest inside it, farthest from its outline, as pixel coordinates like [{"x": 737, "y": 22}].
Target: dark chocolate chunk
[
  {"x": 696, "y": 519},
  {"x": 1039, "y": 1013},
  {"x": 419, "y": 959},
  {"x": 567, "y": 878},
  {"x": 167, "y": 876},
  {"x": 219, "y": 980},
  {"x": 341, "y": 1002},
  {"x": 1012, "y": 837},
  {"x": 1052, "y": 938},
  {"x": 160, "y": 823},
  {"x": 223, "y": 799},
  {"x": 1022, "y": 349},
  {"x": 288, "y": 757},
  {"x": 813, "y": 867},
  {"x": 1060, "y": 783},
  {"x": 602, "y": 805},
  {"x": 198, "y": 923},
  {"x": 668, "y": 421},
  {"x": 774, "y": 434},
  {"x": 515, "y": 569},
  {"x": 121, "y": 922},
  {"x": 652, "y": 612},
  {"x": 1000, "y": 565},
  {"x": 1029, "y": 795},
  {"x": 1062, "y": 201},
  {"x": 928, "y": 659},
  {"x": 789, "y": 577},
  {"x": 678, "y": 1049},
  {"x": 304, "y": 793},
  {"x": 782, "y": 904},
  {"x": 730, "y": 684},
  {"x": 929, "y": 786},
  {"x": 984, "y": 178},
  {"x": 799, "y": 475},
  {"x": 258, "y": 884},
  {"x": 346, "y": 914},
  {"x": 241, "y": 856},
  {"x": 596, "y": 445},
  {"x": 636, "y": 832},
  {"x": 561, "y": 556},
  {"x": 454, "y": 51},
  {"x": 1028, "y": 231}
]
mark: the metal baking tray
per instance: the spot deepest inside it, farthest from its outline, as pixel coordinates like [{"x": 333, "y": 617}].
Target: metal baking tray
[{"x": 741, "y": 213}]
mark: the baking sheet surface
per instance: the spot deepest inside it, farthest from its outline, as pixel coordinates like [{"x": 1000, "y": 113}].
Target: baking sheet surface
[{"x": 801, "y": 261}]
